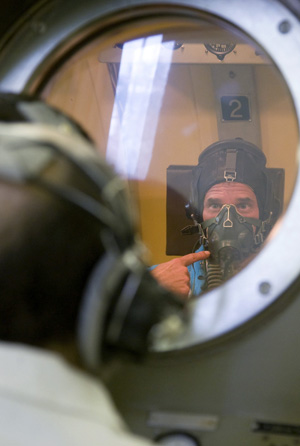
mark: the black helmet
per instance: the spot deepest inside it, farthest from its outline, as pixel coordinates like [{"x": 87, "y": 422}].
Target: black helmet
[{"x": 239, "y": 161}]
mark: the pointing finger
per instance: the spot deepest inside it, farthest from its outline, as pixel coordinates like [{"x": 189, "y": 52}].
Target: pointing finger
[{"x": 194, "y": 257}]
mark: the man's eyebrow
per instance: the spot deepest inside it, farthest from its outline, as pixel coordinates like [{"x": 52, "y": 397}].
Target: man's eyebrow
[
  {"x": 215, "y": 200},
  {"x": 245, "y": 200},
  {"x": 212, "y": 200}
]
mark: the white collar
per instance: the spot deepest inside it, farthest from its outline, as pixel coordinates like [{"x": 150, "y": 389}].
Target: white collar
[{"x": 41, "y": 377}]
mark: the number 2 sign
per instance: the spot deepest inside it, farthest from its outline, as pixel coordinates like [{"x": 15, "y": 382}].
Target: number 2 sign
[{"x": 235, "y": 108}]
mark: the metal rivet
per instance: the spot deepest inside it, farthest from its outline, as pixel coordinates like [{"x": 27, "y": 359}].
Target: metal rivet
[
  {"x": 284, "y": 26},
  {"x": 265, "y": 288}
]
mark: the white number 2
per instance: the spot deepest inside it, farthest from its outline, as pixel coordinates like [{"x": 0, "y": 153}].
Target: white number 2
[{"x": 237, "y": 106}]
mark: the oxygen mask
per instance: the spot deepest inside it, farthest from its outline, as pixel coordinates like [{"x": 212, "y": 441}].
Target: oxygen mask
[{"x": 231, "y": 238}]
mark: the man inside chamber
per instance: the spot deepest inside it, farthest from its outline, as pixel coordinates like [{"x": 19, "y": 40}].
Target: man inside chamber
[{"x": 233, "y": 206}]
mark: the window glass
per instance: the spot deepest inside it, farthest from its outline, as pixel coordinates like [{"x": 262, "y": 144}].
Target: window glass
[{"x": 154, "y": 96}]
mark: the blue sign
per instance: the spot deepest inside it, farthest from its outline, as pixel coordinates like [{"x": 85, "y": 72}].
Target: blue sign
[{"x": 235, "y": 108}]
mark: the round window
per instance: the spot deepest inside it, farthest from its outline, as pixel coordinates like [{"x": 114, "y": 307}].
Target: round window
[{"x": 196, "y": 108}]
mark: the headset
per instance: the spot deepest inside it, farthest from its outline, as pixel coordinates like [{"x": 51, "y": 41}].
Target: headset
[{"x": 121, "y": 302}]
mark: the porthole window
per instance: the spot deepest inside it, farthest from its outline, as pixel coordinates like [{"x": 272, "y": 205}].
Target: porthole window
[{"x": 197, "y": 109}]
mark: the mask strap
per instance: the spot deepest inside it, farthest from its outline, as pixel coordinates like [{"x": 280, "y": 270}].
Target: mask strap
[
  {"x": 252, "y": 221},
  {"x": 230, "y": 165}
]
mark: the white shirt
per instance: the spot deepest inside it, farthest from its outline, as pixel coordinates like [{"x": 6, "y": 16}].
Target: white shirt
[{"x": 44, "y": 401}]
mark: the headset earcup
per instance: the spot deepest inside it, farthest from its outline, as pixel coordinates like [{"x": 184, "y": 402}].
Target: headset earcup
[
  {"x": 121, "y": 303},
  {"x": 95, "y": 305},
  {"x": 106, "y": 303}
]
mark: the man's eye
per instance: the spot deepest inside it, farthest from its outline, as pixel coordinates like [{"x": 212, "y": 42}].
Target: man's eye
[
  {"x": 215, "y": 206},
  {"x": 243, "y": 206}
]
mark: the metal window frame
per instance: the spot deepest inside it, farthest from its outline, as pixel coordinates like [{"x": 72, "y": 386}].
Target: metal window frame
[{"x": 28, "y": 55}]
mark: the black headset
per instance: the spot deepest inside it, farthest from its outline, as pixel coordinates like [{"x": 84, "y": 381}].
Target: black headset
[{"x": 121, "y": 302}]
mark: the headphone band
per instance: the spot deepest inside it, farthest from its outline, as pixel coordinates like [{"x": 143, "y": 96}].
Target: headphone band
[{"x": 22, "y": 161}]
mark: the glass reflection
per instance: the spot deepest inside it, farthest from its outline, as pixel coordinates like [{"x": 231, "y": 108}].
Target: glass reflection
[
  {"x": 142, "y": 79},
  {"x": 202, "y": 125}
]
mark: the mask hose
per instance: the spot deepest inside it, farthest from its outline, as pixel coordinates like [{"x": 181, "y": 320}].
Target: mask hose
[{"x": 213, "y": 275}]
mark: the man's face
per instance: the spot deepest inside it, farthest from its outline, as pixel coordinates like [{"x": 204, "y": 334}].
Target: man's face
[{"x": 238, "y": 194}]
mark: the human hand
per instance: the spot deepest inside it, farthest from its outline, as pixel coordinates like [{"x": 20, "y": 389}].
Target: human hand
[{"x": 174, "y": 274}]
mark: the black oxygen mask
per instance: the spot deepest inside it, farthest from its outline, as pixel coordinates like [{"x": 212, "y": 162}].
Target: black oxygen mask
[{"x": 231, "y": 238}]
